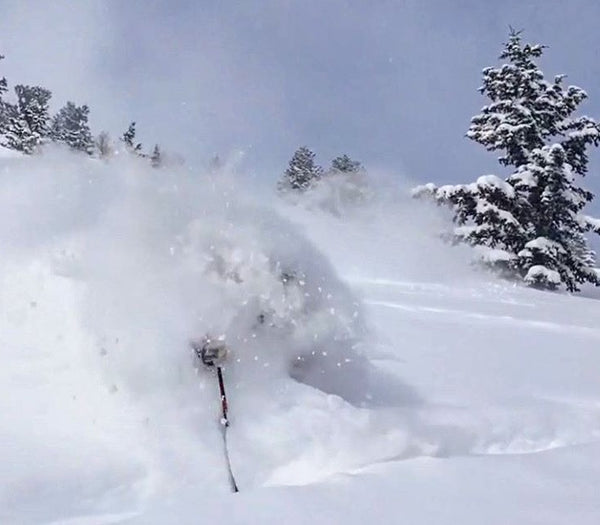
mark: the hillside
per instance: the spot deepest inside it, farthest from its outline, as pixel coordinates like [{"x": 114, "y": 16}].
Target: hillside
[{"x": 379, "y": 381}]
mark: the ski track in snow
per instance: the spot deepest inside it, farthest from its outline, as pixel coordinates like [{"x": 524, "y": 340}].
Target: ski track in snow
[
  {"x": 467, "y": 317},
  {"x": 493, "y": 429},
  {"x": 429, "y": 429},
  {"x": 95, "y": 519},
  {"x": 433, "y": 429}
]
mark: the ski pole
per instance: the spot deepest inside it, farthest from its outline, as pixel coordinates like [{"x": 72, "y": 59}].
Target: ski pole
[
  {"x": 225, "y": 419},
  {"x": 213, "y": 354},
  {"x": 224, "y": 426}
]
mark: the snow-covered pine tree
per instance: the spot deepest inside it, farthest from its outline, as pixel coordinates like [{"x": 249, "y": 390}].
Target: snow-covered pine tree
[
  {"x": 302, "y": 171},
  {"x": 3, "y": 89},
  {"x": 70, "y": 125},
  {"x": 156, "y": 158},
  {"x": 129, "y": 139},
  {"x": 535, "y": 226},
  {"x": 129, "y": 135},
  {"x": 485, "y": 214},
  {"x": 527, "y": 111},
  {"x": 344, "y": 164},
  {"x": 556, "y": 251},
  {"x": 27, "y": 126},
  {"x": 3, "y": 84}
]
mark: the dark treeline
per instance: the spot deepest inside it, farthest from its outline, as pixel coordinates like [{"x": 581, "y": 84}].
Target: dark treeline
[{"x": 26, "y": 125}]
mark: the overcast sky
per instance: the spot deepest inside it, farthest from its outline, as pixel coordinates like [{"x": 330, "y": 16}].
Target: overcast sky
[{"x": 392, "y": 83}]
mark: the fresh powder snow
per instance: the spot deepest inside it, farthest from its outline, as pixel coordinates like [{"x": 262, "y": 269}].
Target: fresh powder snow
[{"x": 372, "y": 376}]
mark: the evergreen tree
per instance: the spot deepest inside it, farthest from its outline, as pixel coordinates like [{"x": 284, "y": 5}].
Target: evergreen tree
[
  {"x": 3, "y": 84},
  {"x": 485, "y": 214},
  {"x": 533, "y": 226},
  {"x": 526, "y": 111},
  {"x": 129, "y": 139},
  {"x": 555, "y": 250},
  {"x": 70, "y": 125},
  {"x": 27, "y": 127},
  {"x": 103, "y": 145},
  {"x": 156, "y": 158},
  {"x": 345, "y": 164},
  {"x": 302, "y": 171},
  {"x": 3, "y": 111}
]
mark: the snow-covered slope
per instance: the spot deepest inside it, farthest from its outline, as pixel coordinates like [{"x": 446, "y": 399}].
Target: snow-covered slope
[
  {"x": 372, "y": 376},
  {"x": 6, "y": 153}
]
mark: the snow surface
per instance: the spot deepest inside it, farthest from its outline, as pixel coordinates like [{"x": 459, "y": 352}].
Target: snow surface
[
  {"x": 6, "y": 153},
  {"x": 383, "y": 381}
]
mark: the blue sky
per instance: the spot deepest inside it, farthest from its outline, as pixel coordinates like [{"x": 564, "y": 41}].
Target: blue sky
[{"x": 392, "y": 83}]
